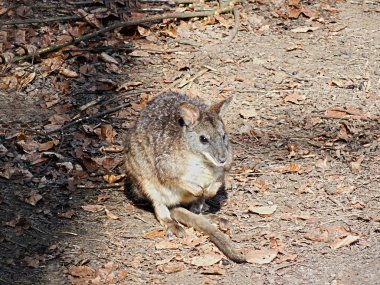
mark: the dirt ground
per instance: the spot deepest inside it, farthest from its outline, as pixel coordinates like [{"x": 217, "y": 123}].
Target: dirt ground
[{"x": 304, "y": 125}]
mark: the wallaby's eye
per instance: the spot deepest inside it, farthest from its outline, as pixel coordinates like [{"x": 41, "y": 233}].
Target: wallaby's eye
[
  {"x": 203, "y": 140},
  {"x": 224, "y": 137}
]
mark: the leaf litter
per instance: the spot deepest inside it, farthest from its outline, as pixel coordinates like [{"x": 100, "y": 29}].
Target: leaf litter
[{"x": 88, "y": 154}]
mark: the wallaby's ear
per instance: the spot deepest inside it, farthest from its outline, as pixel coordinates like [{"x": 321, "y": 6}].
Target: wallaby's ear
[
  {"x": 189, "y": 114},
  {"x": 221, "y": 107}
]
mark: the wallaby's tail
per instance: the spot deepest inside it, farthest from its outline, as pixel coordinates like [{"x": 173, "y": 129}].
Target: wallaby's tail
[{"x": 201, "y": 224}]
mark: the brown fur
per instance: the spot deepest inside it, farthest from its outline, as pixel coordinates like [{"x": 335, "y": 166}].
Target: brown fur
[{"x": 178, "y": 154}]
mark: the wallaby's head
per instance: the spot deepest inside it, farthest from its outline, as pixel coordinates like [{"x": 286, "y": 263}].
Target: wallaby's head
[{"x": 204, "y": 131}]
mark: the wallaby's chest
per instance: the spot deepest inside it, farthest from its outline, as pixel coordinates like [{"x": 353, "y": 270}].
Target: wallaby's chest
[{"x": 200, "y": 173}]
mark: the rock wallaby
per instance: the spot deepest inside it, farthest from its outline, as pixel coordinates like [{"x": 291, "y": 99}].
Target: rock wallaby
[{"x": 177, "y": 155}]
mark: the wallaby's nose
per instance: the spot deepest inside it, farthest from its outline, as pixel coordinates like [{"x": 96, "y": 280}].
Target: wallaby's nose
[{"x": 222, "y": 159}]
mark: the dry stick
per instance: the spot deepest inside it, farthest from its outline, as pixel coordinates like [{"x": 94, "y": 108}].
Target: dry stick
[
  {"x": 35, "y": 21},
  {"x": 236, "y": 26},
  {"x": 126, "y": 24},
  {"x": 113, "y": 110},
  {"x": 103, "y": 186},
  {"x": 192, "y": 78},
  {"x": 171, "y": 85}
]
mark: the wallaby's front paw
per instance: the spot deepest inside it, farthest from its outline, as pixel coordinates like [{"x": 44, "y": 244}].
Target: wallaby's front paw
[
  {"x": 199, "y": 207},
  {"x": 196, "y": 191},
  {"x": 174, "y": 229},
  {"x": 213, "y": 189}
]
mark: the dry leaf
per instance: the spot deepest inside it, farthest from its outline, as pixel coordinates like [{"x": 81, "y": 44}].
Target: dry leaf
[
  {"x": 355, "y": 165},
  {"x": 154, "y": 234},
  {"x": 129, "y": 85},
  {"x": 139, "y": 53},
  {"x": 107, "y": 132},
  {"x": 342, "y": 84},
  {"x": 111, "y": 149},
  {"x": 59, "y": 119},
  {"x": 322, "y": 163},
  {"x": 333, "y": 113},
  {"x": 107, "y": 58},
  {"x": 67, "y": 166},
  {"x": 345, "y": 241},
  {"x": 68, "y": 73},
  {"x": 248, "y": 113},
  {"x": 48, "y": 145},
  {"x": 263, "y": 256},
  {"x": 164, "y": 261},
  {"x": 172, "y": 32},
  {"x": 261, "y": 185},
  {"x": 358, "y": 205},
  {"x": 263, "y": 210},
  {"x": 343, "y": 133},
  {"x": 110, "y": 215},
  {"x": 295, "y": 46},
  {"x": 33, "y": 198},
  {"x": 143, "y": 31},
  {"x": 293, "y": 2},
  {"x": 309, "y": 13},
  {"x": 32, "y": 261},
  {"x": 165, "y": 244},
  {"x": 353, "y": 111},
  {"x": 27, "y": 79},
  {"x": 294, "y": 13},
  {"x": 318, "y": 236},
  {"x": 206, "y": 260},
  {"x": 110, "y": 163},
  {"x": 68, "y": 214},
  {"x": 89, "y": 18},
  {"x": 171, "y": 267},
  {"x": 80, "y": 271},
  {"x": 304, "y": 29},
  {"x": 136, "y": 262},
  {"x": 93, "y": 208},
  {"x": 291, "y": 168},
  {"x": 295, "y": 98},
  {"x": 121, "y": 275},
  {"x": 214, "y": 270},
  {"x": 27, "y": 146},
  {"x": 113, "y": 178},
  {"x": 3, "y": 149}
]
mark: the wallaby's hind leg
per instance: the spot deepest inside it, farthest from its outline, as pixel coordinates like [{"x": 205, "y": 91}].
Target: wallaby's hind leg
[{"x": 161, "y": 210}]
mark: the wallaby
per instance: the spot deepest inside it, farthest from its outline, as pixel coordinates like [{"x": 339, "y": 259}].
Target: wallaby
[{"x": 177, "y": 155}]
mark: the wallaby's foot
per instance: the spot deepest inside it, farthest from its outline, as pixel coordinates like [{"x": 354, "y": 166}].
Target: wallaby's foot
[
  {"x": 174, "y": 229},
  {"x": 213, "y": 189}
]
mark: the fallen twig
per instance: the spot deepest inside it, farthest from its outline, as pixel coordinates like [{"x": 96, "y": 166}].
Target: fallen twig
[
  {"x": 77, "y": 121},
  {"x": 236, "y": 26},
  {"x": 115, "y": 186},
  {"x": 36, "y": 21},
  {"x": 136, "y": 22},
  {"x": 192, "y": 78}
]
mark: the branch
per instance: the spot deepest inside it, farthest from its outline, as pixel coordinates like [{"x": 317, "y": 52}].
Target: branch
[
  {"x": 83, "y": 119},
  {"x": 34, "y": 21},
  {"x": 236, "y": 26},
  {"x": 127, "y": 24}
]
